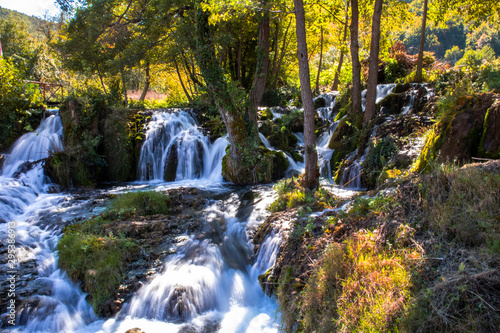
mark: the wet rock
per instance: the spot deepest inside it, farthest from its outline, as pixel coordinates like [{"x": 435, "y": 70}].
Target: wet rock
[
  {"x": 319, "y": 102},
  {"x": 171, "y": 164}
]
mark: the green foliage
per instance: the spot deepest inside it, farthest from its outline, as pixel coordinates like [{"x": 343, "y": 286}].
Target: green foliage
[
  {"x": 292, "y": 195},
  {"x": 454, "y": 54},
  {"x": 472, "y": 59},
  {"x": 20, "y": 104},
  {"x": 140, "y": 203},
  {"x": 280, "y": 96},
  {"x": 97, "y": 261},
  {"x": 379, "y": 154},
  {"x": 97, "y": 257}
]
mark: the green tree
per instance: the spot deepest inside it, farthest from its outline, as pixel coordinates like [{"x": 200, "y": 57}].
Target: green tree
[{"x": 19, "y": 101}]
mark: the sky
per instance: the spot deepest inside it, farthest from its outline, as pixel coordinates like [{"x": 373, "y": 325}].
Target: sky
[{"x": 31, "y": 7}]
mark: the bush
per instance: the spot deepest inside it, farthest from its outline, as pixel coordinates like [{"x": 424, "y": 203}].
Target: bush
[
  {"x": 20, "y": 105},
  {"x": 292, "y": 195}
]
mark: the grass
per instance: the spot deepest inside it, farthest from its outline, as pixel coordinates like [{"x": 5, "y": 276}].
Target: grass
[
  {"x": 291, "y": 194},
  {"x": 423, "y": 258},
  {"x": 98, "y": 258}
]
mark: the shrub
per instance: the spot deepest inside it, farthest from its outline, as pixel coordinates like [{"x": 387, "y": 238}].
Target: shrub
[{"x": 20, "y": 104}]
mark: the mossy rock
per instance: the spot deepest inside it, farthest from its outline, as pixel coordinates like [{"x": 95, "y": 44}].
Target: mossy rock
[
  {"x": 489, "y": 146},
  {"x": 283, "y": 139},
  {"x": 342, "y": 134},
  {"x": 266, "y": 127},
  {"x": 262, "y": 167},
  {"x": 319, "y": 102},
  {"x": 280, "y": 165},
  {"x": 402, "y": 88},
  {"x": 458, "y": 134},
  {"x": 393, "y": 103},
  {"x": 297, "y": 157}
]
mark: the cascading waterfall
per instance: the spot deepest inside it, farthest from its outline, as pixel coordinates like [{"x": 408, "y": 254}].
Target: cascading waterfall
[
  {"x": 324, "y": 152},
  {"x": 24, "y": 208},
  {"x": 382, "y": 91},
  {"x": 176, "y": 149},
  {"x": 209, "y": 284}
]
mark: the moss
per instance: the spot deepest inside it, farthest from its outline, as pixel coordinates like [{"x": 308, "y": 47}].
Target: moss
[
  {"x": 342, "y": 135},
  {"x": 381, "y": 151},
  {"x": 97, "y": 261},
  {"x": 393, "y": 103},
  {"x": 433, "y": 142},
  {"x": 297, "y": 157},
  {"x": 96, "y": 257}
]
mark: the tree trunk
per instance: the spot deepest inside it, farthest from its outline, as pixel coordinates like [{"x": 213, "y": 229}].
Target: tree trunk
[
  {"x": 182, "y": 83},
  {"x": 356, "y": 66},
  {"x": 336, "y": 80},
  {"x": 311, "y": 178},
  {"x": 320, "y": 61},
  {"x": 371, "y": 91},
  {"x": 124, "y": 85},
  {"x": 276, "y": 72},
  {"x": 420, "y": 61},
  {"x": 246, "y": 162},
  {"x": 146, "y": 84},
  {"x": 260, "y": 77}
]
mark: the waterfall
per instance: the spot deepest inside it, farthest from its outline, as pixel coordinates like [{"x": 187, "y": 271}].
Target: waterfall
[
  {"x": 176, "y": 149},
  {"x": 382, "y": 91},
  {"x": 58, "y": 305},
  {"x": 33, "y": 147}
]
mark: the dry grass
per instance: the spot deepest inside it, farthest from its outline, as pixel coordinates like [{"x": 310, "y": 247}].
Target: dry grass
[{"x": 422, "y": 259}]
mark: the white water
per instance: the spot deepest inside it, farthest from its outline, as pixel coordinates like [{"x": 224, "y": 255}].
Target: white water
[
  {"x": 382, "y": 91},
  {"x": 196, "y": 157},
  {"x": 210, "y": 284},
  {"x": 32, "y": 216}
]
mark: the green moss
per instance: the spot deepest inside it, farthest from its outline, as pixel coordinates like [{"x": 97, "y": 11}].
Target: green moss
[
  {"x": 297, "y": 157},
  {"x": 97, "y": 258},
  {"x": 434, "y": 140},
  {"x": 140, "y": 203},
  {"x": 380, "y": 152},
  {"x": 97, "y": 261}
]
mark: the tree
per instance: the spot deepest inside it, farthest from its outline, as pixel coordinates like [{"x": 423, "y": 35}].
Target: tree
[
  {"x": 356, "y": 65},
  {"x": 246, "y": 161},
  {"x": 420, "y": 61},
  {"x": 371, "y": 91},
  {"x": 311, "y": 155}
]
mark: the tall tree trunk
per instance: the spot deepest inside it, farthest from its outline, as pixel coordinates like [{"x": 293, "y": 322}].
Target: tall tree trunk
[
  {"x": 320, "y": 61},
  {"x": 420, "y": 61},
  {"x": 260, "y": 77},
  {"x": 371, "y": 90},
  {"x": 275, "y": 47},
  {"x": 356, "y": 66},
  {"x": 336, "y": 80},
  {"x": 311, "y": 178},
  {"x": 146, "y": 84},
  {"x": 124, "y": 85},
  {"x": 182, "y": 83},
  {"x": 276, "y": 71},
  {"x": 246, "y": 162}
]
